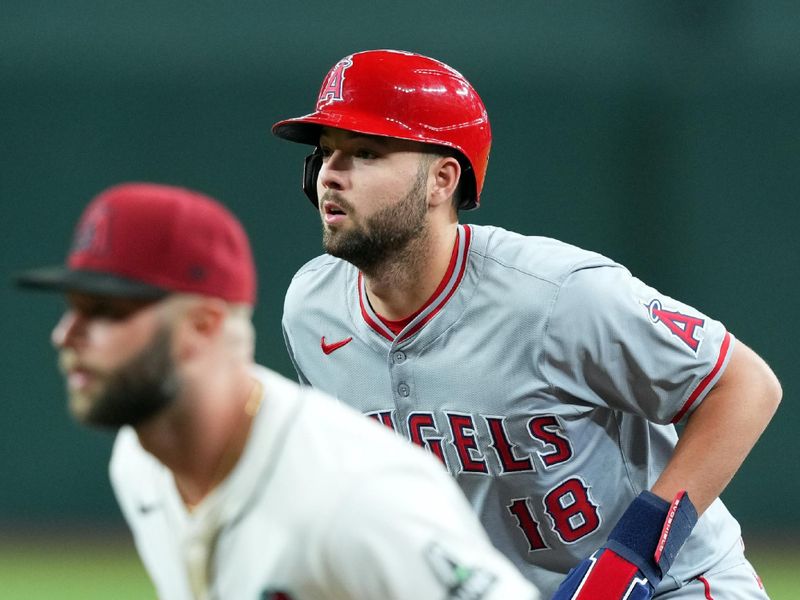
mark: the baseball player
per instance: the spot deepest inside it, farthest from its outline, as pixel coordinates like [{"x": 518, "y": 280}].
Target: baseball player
[
  {"x": 236, "y": 482},
  {"x": 545, "y": 377}
]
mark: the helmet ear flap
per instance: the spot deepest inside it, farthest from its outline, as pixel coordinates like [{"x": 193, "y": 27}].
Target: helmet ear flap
[
  {"x": 468, "y": 200},
  {"x": 311, "y": 168}
]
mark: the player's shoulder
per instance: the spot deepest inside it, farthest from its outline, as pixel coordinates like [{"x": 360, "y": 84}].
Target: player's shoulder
[
  {"x": 318, "y": 274},
  {"x": 310, "y": 406},
  {"x": 348, "y": 432},
  {"x": 541, "y": 257},
  {"x": 320, "y": 266},
  {"x": 133, "y": 470},
  {"x": 127, "y": 453}
]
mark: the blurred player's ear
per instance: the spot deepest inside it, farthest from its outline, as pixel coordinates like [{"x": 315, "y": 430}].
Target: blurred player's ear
[
  {"x": 444, "y": 173},
  {"x": 199, "y": 322}
]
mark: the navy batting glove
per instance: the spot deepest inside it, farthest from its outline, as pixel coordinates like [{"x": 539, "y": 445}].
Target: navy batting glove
[{"x": 640, "y": 550}]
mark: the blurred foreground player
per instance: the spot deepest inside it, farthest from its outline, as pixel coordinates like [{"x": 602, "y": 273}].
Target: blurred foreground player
[{"x": 239, "y": 484}]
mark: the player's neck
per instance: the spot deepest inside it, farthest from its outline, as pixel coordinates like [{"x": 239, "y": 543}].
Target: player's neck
[
  {"x": 399, "y": 289},
  {"x": 202, "y": 444}
]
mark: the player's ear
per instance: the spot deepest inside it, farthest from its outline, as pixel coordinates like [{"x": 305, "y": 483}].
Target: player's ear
[
  {"x": 444, "y": 174},
  {"x": 198, "y": 323}
]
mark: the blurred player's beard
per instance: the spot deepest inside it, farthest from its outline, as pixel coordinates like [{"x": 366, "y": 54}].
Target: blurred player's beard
[
  {"x": 135, "y": 391},
  {"x": 385, "y": 235}
]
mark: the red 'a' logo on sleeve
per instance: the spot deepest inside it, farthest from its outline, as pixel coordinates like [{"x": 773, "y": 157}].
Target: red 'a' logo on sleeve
[
  {"x": 332, "y": 89},
  {"x": 681, "y": 325}
]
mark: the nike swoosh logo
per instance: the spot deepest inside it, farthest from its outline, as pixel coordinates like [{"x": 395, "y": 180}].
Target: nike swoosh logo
[
  {"x": 328, "y": 348},
  {"x": 145, "y": 509}
]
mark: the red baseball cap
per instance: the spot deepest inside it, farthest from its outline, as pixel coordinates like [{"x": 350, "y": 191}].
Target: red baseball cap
[{"x": 146, "y": 240}]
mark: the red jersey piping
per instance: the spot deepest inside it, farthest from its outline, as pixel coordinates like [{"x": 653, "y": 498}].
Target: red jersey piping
[
  {"x": 444, "y": 291},
  {"x": 723, "y": 353}
]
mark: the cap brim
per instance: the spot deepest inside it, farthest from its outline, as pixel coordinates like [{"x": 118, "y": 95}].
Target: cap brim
[
  {"x": 62, "y": 279},
  {"x": 306, "y": 129},
  {"x": 302, "y": 130}
]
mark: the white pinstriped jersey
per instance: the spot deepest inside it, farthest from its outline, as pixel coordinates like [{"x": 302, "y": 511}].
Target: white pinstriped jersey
[
  {"x": 323, "y": 504},
  {"x": 546, "y": 377}
]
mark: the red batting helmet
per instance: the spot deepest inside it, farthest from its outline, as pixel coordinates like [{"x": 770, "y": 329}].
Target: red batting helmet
[{"x": 400, "y": 95}]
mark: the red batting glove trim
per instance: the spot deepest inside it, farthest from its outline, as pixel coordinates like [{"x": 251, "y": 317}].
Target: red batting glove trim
[{"x": 662, "y": 541}]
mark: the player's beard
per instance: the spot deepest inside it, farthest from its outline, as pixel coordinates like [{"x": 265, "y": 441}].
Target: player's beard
[
  {"x": 134, "y": 392},
  {"x": 385, "y": 236}
]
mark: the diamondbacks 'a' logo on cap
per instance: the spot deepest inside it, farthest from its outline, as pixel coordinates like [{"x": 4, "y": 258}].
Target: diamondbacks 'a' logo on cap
[
  {"x": 333, "y": 88},
  {"x": 93, "y": 233}
]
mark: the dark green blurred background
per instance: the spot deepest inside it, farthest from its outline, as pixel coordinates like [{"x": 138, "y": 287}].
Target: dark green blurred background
[{"x": 663, "y": 134}]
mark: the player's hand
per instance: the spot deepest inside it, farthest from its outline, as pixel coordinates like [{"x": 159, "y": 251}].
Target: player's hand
[{"x": 640, "y": 550}]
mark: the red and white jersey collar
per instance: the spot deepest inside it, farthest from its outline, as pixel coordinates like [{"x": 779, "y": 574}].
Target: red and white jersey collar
[{"x": 445, "y": 289}]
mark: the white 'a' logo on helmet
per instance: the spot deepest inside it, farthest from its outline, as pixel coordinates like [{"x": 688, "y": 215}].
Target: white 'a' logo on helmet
[{"x": 334, "y": 84}]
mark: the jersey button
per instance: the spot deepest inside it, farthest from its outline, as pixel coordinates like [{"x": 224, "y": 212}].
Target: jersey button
[
  {"x": 399, "y": 357},
  {"x": 403, "y": 390}
]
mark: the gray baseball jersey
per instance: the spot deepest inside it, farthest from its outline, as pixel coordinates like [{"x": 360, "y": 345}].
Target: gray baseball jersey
[
  {"x": 323, "y": 504},
  {"x": 546, "y": 378}
]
